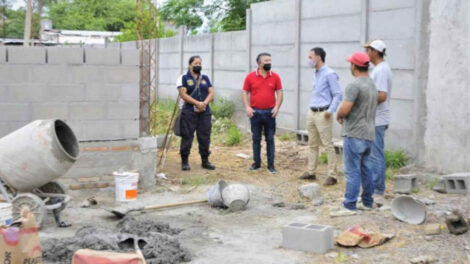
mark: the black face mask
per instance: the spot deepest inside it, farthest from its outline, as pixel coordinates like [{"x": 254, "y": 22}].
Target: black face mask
[
  {"x": 197, "y": 69},
  {"x": 267, "y": 67}
]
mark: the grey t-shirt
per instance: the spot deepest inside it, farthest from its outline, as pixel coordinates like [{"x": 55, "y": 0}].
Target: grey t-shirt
[
  {"x": 382, "y": 76},
  {"x": 360, "y": 123}
]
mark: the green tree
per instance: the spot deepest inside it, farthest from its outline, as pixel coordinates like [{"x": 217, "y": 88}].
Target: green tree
[
  {"x": 231, "y": 15},
  {"x": 14, "y": 24},
  {"x": 102, "y": 15},
  {"x": 183, "y": 13}
]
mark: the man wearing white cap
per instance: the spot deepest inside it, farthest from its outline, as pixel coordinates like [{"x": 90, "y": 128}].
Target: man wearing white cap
[{"x": 382, "y": 76}]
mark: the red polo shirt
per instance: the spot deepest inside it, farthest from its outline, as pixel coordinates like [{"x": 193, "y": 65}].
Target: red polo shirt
[{"x": 262, "y": 89}]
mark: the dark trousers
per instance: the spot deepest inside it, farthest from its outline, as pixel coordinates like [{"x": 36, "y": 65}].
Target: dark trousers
[
  {"x": 263, "y": 120},
  {"x": 201, "y": 123}
]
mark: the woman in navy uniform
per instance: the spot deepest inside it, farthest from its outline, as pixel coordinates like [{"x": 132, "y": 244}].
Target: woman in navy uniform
[{"x": 197, "y": 92}]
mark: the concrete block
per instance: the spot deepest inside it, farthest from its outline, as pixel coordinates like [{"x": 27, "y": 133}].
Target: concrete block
[
  {"x": 432, "y": 229},
  {"x": 49, "y": 111},
  {"x": 87, "y": 111},
  {"x": 88, "y": 73},
  {"x": 319, "y": 8},
  {"x": 57, "y": 55},
  {"x": 458, "y": 183},
  {"x": 306, "y": 237},
  {"x": 130, "y": 129},
  {"x": 14, "y": 112},
  {"x": 147, "y": 143},
  {"x": 102, "y": 56},
  {"x": 25, "y": 92},
  {"x": 377, "y": 5},
  {"x": 3, "y": 55},
  {"x": 127, "y": 110},
  {"x": 122, "y": 74},
  {"x": 302, "y": 137},
  {"x": 405, "y": 183},
  {"x": 27, "y": 55},
  {"x": 14, "y": 73},
  {"x": 130, "y": 57},
  {"x": 130, "y": 92},
  {"x": 102, "y": 92},
  {"x": 262, "y": 34},
  {"x": 64, "y": 92},
  {"x": 392, "y": 24},
  {"x": 456, "y": 223},
  {"x": 100, "y": 129},
  {"x": 344, "y": 28},
  {"x": 273, "y": 11}
]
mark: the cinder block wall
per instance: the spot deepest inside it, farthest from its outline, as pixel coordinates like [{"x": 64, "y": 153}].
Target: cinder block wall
[{"x": 95, "y": 90}]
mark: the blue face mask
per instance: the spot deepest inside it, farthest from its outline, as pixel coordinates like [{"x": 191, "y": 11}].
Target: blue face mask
[{"x": 311, "y": 63}]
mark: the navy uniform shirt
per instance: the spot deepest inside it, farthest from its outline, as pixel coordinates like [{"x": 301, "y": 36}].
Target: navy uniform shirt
[{"x": 189, "y": 82}]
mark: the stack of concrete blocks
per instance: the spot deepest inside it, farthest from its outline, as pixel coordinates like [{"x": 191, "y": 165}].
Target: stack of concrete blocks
[
  {"x": 406, "y": 184},
  {"x": 306, "y": 237},
  {"x": 458, "y": 183},
  {"x": 302, "y": 137},
  {"x": 94, "y": 90}
]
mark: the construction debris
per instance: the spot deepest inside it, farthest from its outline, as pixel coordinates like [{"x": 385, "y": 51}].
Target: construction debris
[
  {"x": 422, "y": 260},
  {"x": 432, "y": 229},
  {"x": 357, "y": 236},
  {"x": 456, "y": 223}
]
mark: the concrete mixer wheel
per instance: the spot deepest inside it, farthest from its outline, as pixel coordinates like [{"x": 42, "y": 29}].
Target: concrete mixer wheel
[
  {"x": 34, "y": 203},
  {"x": 54, "y": 187}
]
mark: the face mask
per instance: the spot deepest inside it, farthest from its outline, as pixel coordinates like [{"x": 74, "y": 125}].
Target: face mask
[
  {"x": 197, "y": 69},
  {"x": 312, "y": 63},
  {"x": 267, "y": 67}
]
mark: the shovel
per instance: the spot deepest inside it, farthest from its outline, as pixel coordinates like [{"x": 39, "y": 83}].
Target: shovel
[{"x": 122, "y": 214}]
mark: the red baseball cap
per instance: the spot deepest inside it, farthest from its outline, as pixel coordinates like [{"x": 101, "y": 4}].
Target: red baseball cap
[{"x": 359, "y": 58}]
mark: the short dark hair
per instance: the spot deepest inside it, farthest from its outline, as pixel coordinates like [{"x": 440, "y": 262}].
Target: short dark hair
[
  {"x": 362, "y": 68},
  {"x": 193, "y": 58},
  {"x": 320, "y": 52},
  {"x": 261, "y": 55},
  {"x": 382, "y": 54}
]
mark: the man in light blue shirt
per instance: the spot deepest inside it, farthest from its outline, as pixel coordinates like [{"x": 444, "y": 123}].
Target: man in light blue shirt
[{"x": 326, "y": 96}]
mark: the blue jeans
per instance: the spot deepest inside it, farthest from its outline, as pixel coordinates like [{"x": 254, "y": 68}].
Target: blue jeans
[
  {"x": 263, "y": 120},
  {"x": 358, "y": 167},
  {"x": 378, "y": 157}
]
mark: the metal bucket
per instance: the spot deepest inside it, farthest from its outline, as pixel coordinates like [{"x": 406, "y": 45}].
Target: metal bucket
[
  {"x": 37, "y": 154},
  {"x": 214, "y": 195},
  {"x": 236, "y": 196}
]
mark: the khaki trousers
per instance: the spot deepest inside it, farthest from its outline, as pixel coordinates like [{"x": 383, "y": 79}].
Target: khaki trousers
[{"x": 320, "y": 132}]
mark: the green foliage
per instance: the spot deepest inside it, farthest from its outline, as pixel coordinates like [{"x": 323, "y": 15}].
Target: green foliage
[
  {"x": 183, "y": 13},
  {"x": 223, "y": 108},
  {"x": 432, "y": 183},
  {"x": 14, "y": 24},
  {"x": 102, "y": 15},
  {"x": 323, "y": 159},
  {"x": 287, "y": 136},
  {"x": 160, "y": 116},
  {"x": 195, "y": 181},
  {"x": 395, "y": 159},
  {"x": 234, "y": 136}
]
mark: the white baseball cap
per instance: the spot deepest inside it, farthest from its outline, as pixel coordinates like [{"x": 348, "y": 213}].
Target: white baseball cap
[{"x": 377, "y": 44}]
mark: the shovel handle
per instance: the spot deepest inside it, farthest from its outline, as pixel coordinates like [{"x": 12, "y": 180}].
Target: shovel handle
[{"x": 152, "y": 207}]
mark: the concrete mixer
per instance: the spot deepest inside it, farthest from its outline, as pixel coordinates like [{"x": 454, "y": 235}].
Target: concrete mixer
[{"x": 32, "y": 158}]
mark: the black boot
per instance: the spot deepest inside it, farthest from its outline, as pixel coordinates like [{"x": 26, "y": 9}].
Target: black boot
[
  {"x": 184, "y": 163},
  {"x": 207, "y": 165}
]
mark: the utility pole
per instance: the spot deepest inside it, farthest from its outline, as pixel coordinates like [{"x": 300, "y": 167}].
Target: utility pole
[{"x": 28, "y": 22}]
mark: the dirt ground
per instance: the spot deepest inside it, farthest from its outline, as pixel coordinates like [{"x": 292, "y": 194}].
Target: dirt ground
[{"x": 254, "y": 235}]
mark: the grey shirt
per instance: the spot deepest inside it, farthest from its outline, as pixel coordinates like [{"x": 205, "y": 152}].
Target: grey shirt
[{"x": 360, "y": 123}]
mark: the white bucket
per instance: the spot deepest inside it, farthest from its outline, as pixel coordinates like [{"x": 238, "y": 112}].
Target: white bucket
[
  {"x": 126, "y": 186},
  {"x": 6, "y": 215}
]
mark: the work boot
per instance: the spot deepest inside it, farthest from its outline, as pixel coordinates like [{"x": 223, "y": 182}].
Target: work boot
[
  {"x": 308, "y": 176},
  {"x": 330, "y": 181},
  {"x": 184, "y": 163},
  {"x": 207, "y": 165},
  {"x": 255, "y": 167}
]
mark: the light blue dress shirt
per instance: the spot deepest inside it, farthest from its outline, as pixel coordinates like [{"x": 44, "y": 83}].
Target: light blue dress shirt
[{"x": 326, "y": 89}]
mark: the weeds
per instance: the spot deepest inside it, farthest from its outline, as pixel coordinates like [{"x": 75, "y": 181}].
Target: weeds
[
  {"x": 287, "y": 136},
  {"x": 222, "y": 108},
  {"x": 323, "y": 159},
  {"x": 234, "y": 136},
  {"x": 395, "y": 159}
]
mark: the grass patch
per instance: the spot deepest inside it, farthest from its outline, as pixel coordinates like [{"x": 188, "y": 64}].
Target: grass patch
[
  {"x": 395, "y": 159},
  {"x": 160, "y": 116},
  {"x": 234, "y": 136},
  {"x": 225, "y": 132},
  {"x": 341, "y": 258},
  {"x": 432, "y": 183},
  {"x": 287, "y": 136},
  {"x": 195, "y": 181},
  {"x": 222, "y": 108},
  {"x": 323, "y": 159},
  {"x": 390, "y": 174}
]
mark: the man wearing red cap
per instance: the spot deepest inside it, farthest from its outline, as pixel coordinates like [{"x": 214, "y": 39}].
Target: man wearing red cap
[{"x": 357, "y": 116}]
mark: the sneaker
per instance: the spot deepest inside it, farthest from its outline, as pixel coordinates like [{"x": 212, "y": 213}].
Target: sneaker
[
  {"x": 330, "y": 181},
  {"x": 308, "y": 176},
  {"x": 365, "y": 208},
  {"x": 255, "y": 167},
  {"x": 379, "y": 200},
  {"x": 343, "y": 211},
  {"x": 272, "y": 170}
]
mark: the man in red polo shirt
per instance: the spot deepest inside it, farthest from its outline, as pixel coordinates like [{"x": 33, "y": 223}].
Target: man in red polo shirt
[{"x": 262, "y": 96}]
